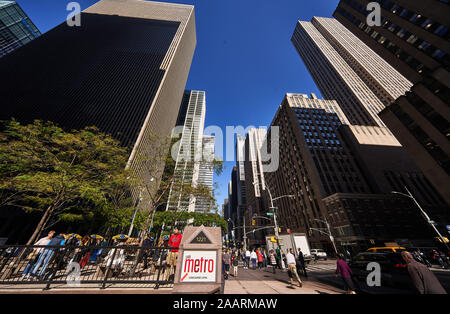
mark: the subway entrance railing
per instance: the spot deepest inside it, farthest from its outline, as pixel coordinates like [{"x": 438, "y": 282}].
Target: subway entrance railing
[{"x": 73, "y": 266}]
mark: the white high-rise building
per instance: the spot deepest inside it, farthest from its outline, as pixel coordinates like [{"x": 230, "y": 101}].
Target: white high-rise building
[{"x": 194, "y": 156}]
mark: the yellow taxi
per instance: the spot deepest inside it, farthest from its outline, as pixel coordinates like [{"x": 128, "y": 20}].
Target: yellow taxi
[{"x": 387, "y": 249}]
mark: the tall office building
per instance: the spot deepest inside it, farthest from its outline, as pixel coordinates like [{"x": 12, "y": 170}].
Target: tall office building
[
  {"x": 16, "y": 28},
  {"x": 330, "y": 179},
  {"x": 206, "y": 174},
  {"x": 347, "y": 70},
  {"x": 190, "y": 167},
  {"x": 414, "y": 39},
  {"x": 254, "y": 181},
  {"x": 241, "y": 190},
  {"x": 123, "y": 70}
]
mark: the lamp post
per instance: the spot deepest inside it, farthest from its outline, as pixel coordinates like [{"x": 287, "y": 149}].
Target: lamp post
[
  {"x": 327, "y": 233},
  {"x": 234, "y": 227},
  {"x": 139, "y": 200},
  {"x": 274, "y": 212},
  {"x": 424, "y": 214}
]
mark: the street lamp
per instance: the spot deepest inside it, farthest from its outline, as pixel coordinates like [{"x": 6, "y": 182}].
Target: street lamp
[
  {"x": 427, "y": 218},
  {"x": 274, "y": 212},
  {"x": 234, "y": 227},
  {"x": 136, "y": 207},
  {"x": 326, "y": 233}
]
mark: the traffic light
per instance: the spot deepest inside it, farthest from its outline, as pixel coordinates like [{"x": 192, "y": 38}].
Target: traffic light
[
  {"x": 253, "y": 222},
  {"x": 310, "y": 232},
  {"x": 279, "y": 229},
  {"x": 273, "y": 240}
]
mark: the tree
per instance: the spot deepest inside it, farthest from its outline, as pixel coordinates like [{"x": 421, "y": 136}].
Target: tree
[{"x": 43, "y": 168}]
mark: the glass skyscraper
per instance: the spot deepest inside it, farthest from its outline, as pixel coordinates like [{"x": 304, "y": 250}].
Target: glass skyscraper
[{"x": 16, "y": 28}]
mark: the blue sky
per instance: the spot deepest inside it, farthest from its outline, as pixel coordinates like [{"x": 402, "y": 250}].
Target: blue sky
[{"x": 244, "y": 59}]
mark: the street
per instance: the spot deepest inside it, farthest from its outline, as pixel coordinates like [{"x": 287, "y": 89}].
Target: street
[{"x": 320, "y": 280}]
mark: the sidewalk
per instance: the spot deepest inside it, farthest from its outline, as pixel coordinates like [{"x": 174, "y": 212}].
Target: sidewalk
[{"x": 265, "y": 282}]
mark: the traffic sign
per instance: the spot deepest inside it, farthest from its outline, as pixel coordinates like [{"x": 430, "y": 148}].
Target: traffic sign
[{"x": 269, "y": 214}]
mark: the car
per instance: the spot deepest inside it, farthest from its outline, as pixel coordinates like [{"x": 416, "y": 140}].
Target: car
[
  {"x": 394, "y": 270},
  {"x": 319, "y": 253},
  {"x": 386, "y": 249}
]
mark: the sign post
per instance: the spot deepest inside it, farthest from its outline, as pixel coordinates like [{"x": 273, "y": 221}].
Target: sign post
[{"x": 199, "y": 264}]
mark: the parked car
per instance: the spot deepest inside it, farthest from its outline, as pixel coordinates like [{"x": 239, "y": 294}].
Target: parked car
[
  {"x": 394, "y": 271},
  {"x": 386, "y": 249},
  {"x": 319, "y": 253}
]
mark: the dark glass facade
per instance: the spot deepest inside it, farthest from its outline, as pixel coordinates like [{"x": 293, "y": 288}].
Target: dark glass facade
[{"x": 105, "y": 73}]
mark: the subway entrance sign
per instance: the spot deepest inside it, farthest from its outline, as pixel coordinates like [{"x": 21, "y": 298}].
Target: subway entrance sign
[
  {"x": 199, "y": 262},
  {"x": 199, "y": 266}
]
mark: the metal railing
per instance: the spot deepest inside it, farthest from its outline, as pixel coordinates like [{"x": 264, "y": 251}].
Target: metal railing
[{"x": 76, "y": 265}]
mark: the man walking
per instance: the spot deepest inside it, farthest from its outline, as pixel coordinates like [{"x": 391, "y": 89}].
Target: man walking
[
  {"x": 247, "y": 258},
  {"x": 226, "y": 260},
  {"x": 423, "y": 278},
  {"x": 301, "y": 262},
  {"x": 253, "y": 257},
  {"x": 290, "y": 260}
]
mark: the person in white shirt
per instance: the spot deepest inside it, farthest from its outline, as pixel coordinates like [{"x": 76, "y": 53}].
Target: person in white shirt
[
  {"x": 290, "y": 260},
  {"x": 247, "y": 258},
  {"x": 253, "y": 257},
  {"x": 34, "y": 255}
]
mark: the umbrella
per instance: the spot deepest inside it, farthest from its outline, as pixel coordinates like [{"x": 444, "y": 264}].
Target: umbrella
[
  {"x": 96, "y": 236},
  {"x": 73, "y": 235},
  {"x": 120, "y": 237}
]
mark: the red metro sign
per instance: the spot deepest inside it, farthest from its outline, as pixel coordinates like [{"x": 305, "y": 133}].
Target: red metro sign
[{"x": 199, "y": 266}]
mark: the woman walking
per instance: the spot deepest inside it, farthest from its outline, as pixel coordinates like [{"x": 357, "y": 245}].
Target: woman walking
[
  {"x": 273, "y": 260},
  {"x": 260, "y": 259},
  {"x": 346, "y": 274}
]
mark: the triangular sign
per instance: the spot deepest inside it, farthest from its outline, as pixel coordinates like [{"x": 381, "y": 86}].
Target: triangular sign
[{"x": 201, "y": 238}]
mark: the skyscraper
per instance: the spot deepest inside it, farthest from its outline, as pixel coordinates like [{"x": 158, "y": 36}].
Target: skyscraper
[
  {"x": 16, "y": 28},
  {"x": 190, "y": 150},
  {"x": 123, "y": 70},
  {"x": 206, "y": 173},
  {"x": 254, "y": 180},
  {"x": 332, "y": 177},
  {"x": 348, "y": 71},
  {"x": 413, "y": 38}
]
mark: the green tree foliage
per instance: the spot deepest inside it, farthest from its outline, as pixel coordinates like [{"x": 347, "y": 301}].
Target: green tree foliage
[{"x": 68, "y": 174}]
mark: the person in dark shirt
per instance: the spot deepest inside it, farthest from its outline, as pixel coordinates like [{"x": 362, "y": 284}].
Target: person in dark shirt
[{"x": 301, "y": 262}]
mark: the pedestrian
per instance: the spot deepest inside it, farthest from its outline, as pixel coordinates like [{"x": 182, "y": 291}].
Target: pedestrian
[
  {"x": 278, "y": 254},
  {"x": 423, "y": 279},
  {"x": 46, "y": 256},
  {"x": 254, "y": 258},
  {"x": 301, "y": 262},
  {"x": 290, "y": 260},
  {"x": 244, "y": 259},
  {"x": 226, "y": 260},
  {"x": 260, "y": 259},
  {"x": 174, "y": 243},
  {"x": 273, "y": 260},
  {"x": 247, "y": 258},
  {"x": 35, "y": 254},
  {"x": 346, "y": 274},
  {"x": 264, "y": 253},
  {"x": 235, "y": 264}
]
